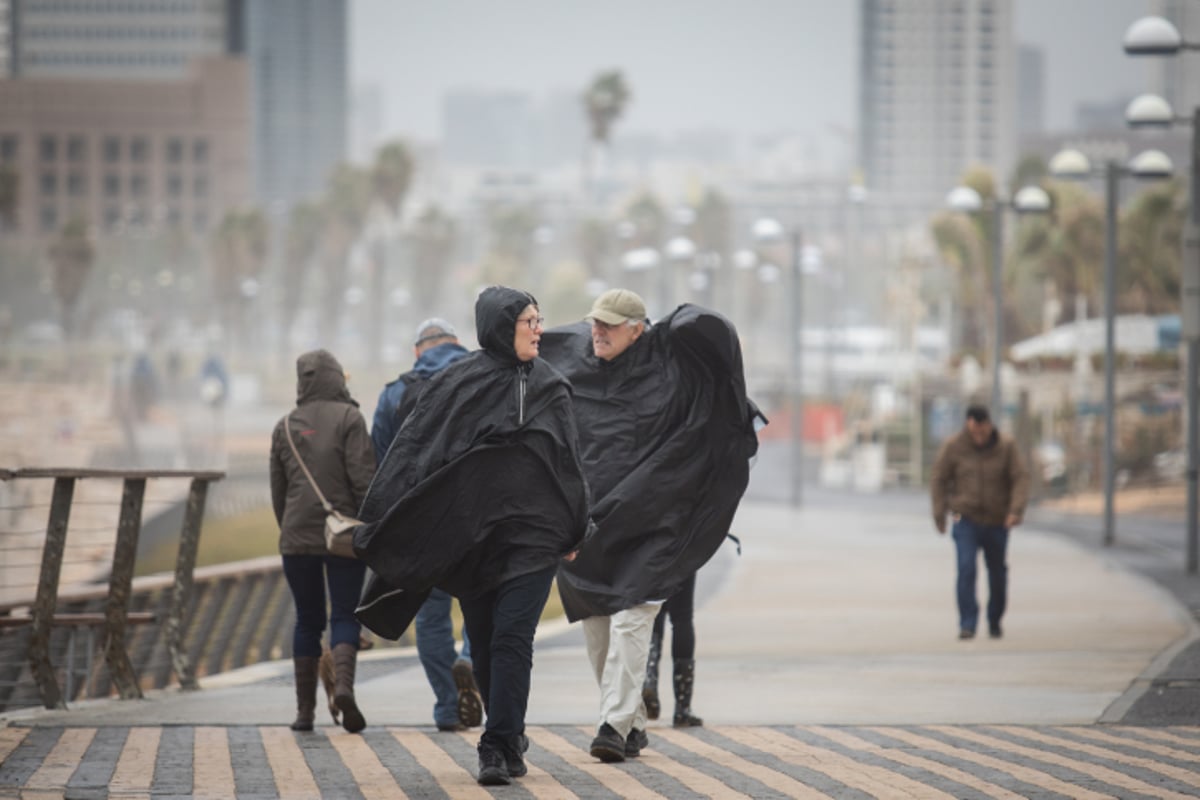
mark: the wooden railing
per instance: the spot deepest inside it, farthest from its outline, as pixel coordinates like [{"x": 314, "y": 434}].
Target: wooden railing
[{"x": 30, "y": 626}]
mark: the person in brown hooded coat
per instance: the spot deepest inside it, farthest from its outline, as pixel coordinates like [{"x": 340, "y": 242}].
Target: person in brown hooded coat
[{"x": 330, "y": 435}]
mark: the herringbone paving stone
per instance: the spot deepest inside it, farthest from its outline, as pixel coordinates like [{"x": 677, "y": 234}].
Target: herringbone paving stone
[{"x": 920, "y": 761}]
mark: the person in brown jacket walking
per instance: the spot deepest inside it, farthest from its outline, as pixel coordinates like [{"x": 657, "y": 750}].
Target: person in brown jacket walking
[
  {"x": 327, "y": 430},
  {"x": 979, "y": 479}
]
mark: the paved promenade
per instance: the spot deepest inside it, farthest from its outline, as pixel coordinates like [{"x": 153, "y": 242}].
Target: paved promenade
[{"x": 827, "y": 665}]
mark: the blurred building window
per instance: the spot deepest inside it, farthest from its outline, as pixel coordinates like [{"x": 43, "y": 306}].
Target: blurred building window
[
  {"x": 139, "y": 149},
  {"x": 174, "y": 185},
  {"x": 49, "y": 218},
  {"x": 76, "y": 149},
  {"x": 137, "y": 185},
  {"x": 175, "y": 150},
  {"x": 49, "y": 184},
  {"x": 200, "y": 186},
  {"x": 8, "y": 148},
  {"x": 112, "y": 217},
  {"x": 48, "y": 148},
  {"x": 112, "y": 186},
  {"x": 200, "y": 220},
  {"x": 76, "y": 184},
  {"x": 200, "y": 151},
  {"x": 112, "y": 149}
]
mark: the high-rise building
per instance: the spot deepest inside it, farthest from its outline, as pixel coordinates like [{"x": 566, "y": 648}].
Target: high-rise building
[
  {"x": 937, "y": 93},
  {"x": 98, "y": 39},
  {"x": 1179, "y": 76},
  {"x": 299, "y": 72},
  {"x": 128, "y": 154},
  {"x": 296, "y": 51},
  {"x": 1031, "y": 90}
]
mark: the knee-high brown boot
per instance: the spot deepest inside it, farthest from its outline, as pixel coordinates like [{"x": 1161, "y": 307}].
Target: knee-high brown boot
[
  {"x": 306, "y": 692},
  {"x": 345, "y": 657},
  {"x": 685, "y": 676}
]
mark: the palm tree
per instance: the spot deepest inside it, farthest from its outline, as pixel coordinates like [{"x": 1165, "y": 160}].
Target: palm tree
[
  {"x": 71, "y": 255},
  {"x": 391, "y": 176},
  {"x": 433, "y": 237},
  {"x": 1149, "y": 280},
  {"x": 344, "y": 210},
  {"x": 239, "y": 253},
  {"x": 300, "y": 245},
  {"x": 604, "y": 102}
]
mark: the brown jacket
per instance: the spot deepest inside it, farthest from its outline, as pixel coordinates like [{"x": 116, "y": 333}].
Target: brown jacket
[
  {"x": 331, "y": 435},
  {"x": 984, "y": 484}
]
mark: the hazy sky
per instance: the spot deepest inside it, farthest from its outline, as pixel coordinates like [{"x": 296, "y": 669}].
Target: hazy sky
[{"x": 748, "y": 66}]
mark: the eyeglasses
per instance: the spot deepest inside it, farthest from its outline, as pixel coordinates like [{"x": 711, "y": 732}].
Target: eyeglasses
[{"x": 533, "y": 322}]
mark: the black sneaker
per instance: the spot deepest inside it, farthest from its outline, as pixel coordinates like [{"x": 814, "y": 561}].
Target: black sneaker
[
  {"x": 608, "y": 746},
  {"x": 516, "y": 759},
  {"x": 966, "y": 633},
  {"x": 635, "y": 742},
  {"x": 994, "y": 631},
  {"x": 493, "y": 767}
]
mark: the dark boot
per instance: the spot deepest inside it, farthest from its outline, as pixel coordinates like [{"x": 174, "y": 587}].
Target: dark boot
[
  {"x": 306, "y": 692},
  {"x": 650, "y": 687},
  {"x": 685, "y": 675},
  {"x": 345, "y": 657}
]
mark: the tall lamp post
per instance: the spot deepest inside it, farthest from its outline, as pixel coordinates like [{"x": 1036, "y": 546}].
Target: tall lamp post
[
  {"x": 769, "y": 232},
  {"x": 1155, "y": 36},
  {"x": 1075, "y": 165},
  {"x": 1029, "y": 200}
]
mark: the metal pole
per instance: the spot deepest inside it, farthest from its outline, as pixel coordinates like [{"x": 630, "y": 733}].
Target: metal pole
[
  {"x": 998, "y": 291},
  {"x": 1191, "y": 255},
  {"x": 1111, "y": 175},
  {"x": 797, "y": 351}
]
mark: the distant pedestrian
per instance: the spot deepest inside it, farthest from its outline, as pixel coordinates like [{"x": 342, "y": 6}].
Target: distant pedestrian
[
  {"x": 980, "y": 480},
  {"x": 457, "y": 702},
  {"x": 328, "y": 432},
  {"x": 679, "y": 608}
]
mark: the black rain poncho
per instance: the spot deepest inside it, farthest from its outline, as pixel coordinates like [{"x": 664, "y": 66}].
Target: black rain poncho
[
  {"x": 482, "y": 484},
  {"x": 666, "y": 432}
]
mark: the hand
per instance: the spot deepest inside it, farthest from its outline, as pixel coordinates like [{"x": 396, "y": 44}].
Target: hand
[
  {"x": 571, "y": 555},
  {"x": 1012, "y": 521}
]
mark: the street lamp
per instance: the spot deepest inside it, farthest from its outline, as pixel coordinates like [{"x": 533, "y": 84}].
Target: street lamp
[
  {"x": 1148, "y": 165},
  {"x": 1029, "y": 200},
  {"x": 1155, "y": 36},
  {"x": 680, "y": 252},
  {"x": 769, "y": 232}
]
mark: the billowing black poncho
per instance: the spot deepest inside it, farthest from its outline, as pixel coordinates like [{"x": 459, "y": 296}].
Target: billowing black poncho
[
  {"x": 482, "y": 483},
  {"x": 666, "y": 433}
]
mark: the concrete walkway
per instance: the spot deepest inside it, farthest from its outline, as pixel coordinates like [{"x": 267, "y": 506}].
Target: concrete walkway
[{"x": 831, "y": 616}]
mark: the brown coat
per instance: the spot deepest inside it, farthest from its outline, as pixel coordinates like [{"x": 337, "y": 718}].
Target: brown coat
[{"x": 984, "y": 484}]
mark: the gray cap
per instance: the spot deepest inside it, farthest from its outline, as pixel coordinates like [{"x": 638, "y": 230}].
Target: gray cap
[
  {"x": 616, "y": 306},
  {"x": 433, "y": 328}
]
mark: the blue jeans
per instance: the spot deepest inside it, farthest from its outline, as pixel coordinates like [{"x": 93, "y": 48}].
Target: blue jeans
[
  {"x": 435, "y": 647},
  {"x": 969, "y": 539},
  {"x": 306, "y": 577},
  {"x": 502, "y": 623}
]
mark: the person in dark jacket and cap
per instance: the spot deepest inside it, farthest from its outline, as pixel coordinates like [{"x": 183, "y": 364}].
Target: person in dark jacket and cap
[
  {"x": 457, "y": 703},
  {"x": 481, "y": 494},
  {"x": 330, "y": 435},
  {"x": 666, "y": 433}
]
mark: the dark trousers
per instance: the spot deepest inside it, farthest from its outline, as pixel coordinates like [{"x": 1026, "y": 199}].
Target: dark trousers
[
  {"x": 969, "y": 539},
  {"x": 501, "y": 624},
  {"x": 307, "y": 577},
  {"x": 680, "y": 607}
]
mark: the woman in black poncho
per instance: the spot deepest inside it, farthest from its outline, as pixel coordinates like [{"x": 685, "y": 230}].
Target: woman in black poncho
[{"x": 481, "y": 494}]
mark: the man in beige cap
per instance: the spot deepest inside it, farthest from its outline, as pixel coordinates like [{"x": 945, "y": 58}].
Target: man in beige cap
[{"x": 664, "y": 434}]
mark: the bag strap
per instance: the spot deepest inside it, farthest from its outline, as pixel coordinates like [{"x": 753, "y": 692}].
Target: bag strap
[{"x": 287, "y": 429}]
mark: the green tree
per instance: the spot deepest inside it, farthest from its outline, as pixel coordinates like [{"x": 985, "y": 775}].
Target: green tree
[
  {"x": 391, "y": 175},
  {"x": 1149, "y": 269},
  {"x": 1031, "y": 170},
  {"x": 963, "y": 242},
  {"x": 71, "y": 257}
]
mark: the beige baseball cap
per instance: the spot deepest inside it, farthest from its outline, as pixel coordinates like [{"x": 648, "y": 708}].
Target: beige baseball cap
[{"x": 616, "y": 306}]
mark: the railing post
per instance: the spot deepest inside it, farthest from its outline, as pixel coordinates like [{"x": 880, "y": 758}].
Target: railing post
[
  {"x": 185, "y": 566},
  {"x": 47, "y": 593},
  {"x": 119, "y": 586}
]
